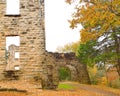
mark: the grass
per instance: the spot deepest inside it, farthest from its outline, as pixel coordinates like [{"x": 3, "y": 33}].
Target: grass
[{"x": 63, "y": 86}]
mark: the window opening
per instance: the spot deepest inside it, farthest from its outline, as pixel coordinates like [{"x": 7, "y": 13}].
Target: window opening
[
  {"x": 17, "y": 67},
  {"x": 17, "y": 55},
  {"x": 12, "y": 7},
  {"x": 12, "y": 40},
  {"x": 12, "y": 49}
]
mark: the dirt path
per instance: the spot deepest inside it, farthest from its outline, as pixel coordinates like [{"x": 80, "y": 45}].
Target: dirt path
[
  {"x": 32, "y": 90},
  {"x": 95, "y": 90}
]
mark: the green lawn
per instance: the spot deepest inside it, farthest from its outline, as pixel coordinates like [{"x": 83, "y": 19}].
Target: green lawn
[{"x": 63, "y": 86}]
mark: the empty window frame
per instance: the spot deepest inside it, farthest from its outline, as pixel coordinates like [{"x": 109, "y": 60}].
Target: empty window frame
[
  {"x": 12, "y": 40},
  {"x": 17, "y": 55},
  {"x": 17, "y": 67},
  {"x": 12, "y": 7}
]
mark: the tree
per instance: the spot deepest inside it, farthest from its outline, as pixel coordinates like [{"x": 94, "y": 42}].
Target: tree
[
  {"x": 100, "y": 19},
  {"x": 70, "y": 47},
  {"x": 87, "y": 53}
]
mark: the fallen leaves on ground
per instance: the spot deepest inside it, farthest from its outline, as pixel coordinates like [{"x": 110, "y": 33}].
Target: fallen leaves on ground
[{"x": 32, "y": 90}]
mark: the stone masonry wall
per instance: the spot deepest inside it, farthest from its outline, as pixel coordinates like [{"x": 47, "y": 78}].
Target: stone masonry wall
[
  {"x": 54, "y": 61},
  {"x": 27, "y": 25}
]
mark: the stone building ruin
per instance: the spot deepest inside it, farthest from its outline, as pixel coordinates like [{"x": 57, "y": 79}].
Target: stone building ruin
[{"x": 33, "y": 61}]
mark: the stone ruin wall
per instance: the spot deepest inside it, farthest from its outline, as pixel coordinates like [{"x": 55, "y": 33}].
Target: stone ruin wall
[
  {"x": 34, "y": 61},
  {"x": 54, "y": 61},
  {"x": 29, "y": 26},
  {"x": 51, "y": 64}
]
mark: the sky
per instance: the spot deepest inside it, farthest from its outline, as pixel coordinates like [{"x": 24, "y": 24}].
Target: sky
[
  {"x": 12, "y": 40},
  {"x": 58, "y": 33}
]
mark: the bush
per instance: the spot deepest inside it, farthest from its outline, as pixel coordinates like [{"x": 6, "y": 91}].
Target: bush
[
  {"x": 92, "y": 73},
  {"x": 103, "y": 81},
  {"x": 97, "y": 76},
  {"x": 64, "y": 74},
  {"x": 115, "y": 83}
]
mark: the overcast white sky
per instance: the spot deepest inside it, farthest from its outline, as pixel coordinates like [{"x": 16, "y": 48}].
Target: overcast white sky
[{"x": 58, "y": 33}]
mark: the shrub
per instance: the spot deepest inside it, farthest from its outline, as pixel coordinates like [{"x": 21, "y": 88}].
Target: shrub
[
  {"x": 97, "y": 76},
  {"x": 64, "y": 74},
  {"x": 92, "y": 73},
  {"x": 115, "y": 83},
  {"x": 103, "y": 81}
]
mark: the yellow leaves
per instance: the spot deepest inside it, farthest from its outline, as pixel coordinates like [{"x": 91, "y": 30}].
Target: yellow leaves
[
  {"x": 73, "y": 23},
  {"x": 94, "y": 70},
  {"x": 86, "y": 36},
  {"x": 70, "y": 47},
  {"x": 103, "y": 81},
  {"x": 100, "y": 14},
  {"x": 115, "y": 6}
]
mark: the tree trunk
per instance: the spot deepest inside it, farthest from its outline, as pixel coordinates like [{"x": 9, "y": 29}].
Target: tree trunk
[{"x": 117, "y": 48}]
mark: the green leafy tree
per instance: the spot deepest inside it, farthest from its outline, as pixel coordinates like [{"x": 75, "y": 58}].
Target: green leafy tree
[{"x": 87, "y": 53}]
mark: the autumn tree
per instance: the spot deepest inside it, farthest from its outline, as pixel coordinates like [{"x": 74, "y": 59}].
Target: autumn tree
[
  {"x": 101, "y": 22},
  {"x": 70, "y": 47}
]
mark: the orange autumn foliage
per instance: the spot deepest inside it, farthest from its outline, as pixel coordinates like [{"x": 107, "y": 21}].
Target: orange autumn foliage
[{"x": 96, "y": 17}]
